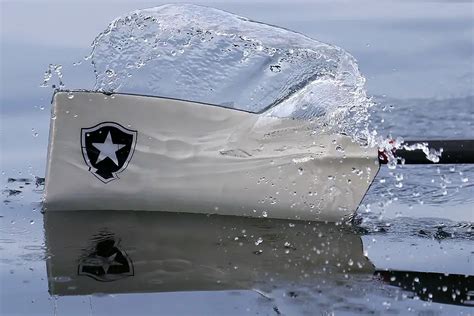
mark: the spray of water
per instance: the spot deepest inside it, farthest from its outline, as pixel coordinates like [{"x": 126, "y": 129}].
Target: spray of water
[
  {"x": 203, "y": 54},
  {"x": 207, "y": 55}
]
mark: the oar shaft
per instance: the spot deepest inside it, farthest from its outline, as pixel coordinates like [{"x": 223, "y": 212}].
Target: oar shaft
[{"x": 454, "y": 152}]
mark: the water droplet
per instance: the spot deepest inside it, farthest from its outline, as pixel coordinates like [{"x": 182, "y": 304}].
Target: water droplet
[
  {"x": 275, "y": 68},
  {"x": 259, "y": 241},
  {"x": 264, "y": 214},
  {"x": 110, "y": 73}
]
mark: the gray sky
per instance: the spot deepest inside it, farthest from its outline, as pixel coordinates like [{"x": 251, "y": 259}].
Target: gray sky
[{"x": 405, "y": 48}]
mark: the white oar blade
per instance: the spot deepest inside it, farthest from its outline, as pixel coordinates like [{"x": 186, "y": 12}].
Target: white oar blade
[{"x": 128, "y": 152}]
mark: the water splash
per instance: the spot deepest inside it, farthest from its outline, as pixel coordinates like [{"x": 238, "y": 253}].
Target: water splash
[
  {"x": 388, "y": 147},
  {"x": 202, "y": 54},
  {"x": 53, "y": 70}
]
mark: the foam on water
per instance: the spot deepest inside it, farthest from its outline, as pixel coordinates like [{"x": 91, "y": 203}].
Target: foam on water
[{"x": 203, "y": 54}]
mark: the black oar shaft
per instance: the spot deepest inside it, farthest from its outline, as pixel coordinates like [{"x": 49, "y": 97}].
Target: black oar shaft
[
  {"x": 454, "y": 152},
  {"x": 429, "y": 286}
]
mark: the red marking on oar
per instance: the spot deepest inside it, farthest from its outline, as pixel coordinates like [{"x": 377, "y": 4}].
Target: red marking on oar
[{"x": 383, "y": 156}]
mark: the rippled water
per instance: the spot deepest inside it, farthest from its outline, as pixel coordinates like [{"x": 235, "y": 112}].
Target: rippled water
[{"x": 415, "y": 221}]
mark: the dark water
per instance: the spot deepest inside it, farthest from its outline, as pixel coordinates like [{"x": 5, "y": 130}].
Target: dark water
[{"x": 415, "y": 222}]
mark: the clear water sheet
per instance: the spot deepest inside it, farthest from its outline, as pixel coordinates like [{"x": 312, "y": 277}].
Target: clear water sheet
[{"x": 203, "y": 54}]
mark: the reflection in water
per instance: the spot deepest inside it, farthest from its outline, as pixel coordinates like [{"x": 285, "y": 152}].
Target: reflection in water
[
  {"x": 437, "y": 287},
  {"x": 135, "y": 252},
  {"x": 160, "y": 252},
  {"x": 107, "y": 263}
]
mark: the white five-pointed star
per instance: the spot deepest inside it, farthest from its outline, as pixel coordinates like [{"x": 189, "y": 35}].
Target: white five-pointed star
[
  {"x": 108, "y": 262},
  {"x": 108, "y": 149}
]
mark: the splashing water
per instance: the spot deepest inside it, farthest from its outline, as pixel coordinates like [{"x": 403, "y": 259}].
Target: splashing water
[
  {"x": 207, "y": 55},
  {"x": 53, "y": 69}
]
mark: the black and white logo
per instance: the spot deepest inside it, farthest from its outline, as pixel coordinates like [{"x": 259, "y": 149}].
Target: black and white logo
[
  {"x": 107, "y": 263},
  {"x": 107, "y": 149}
]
